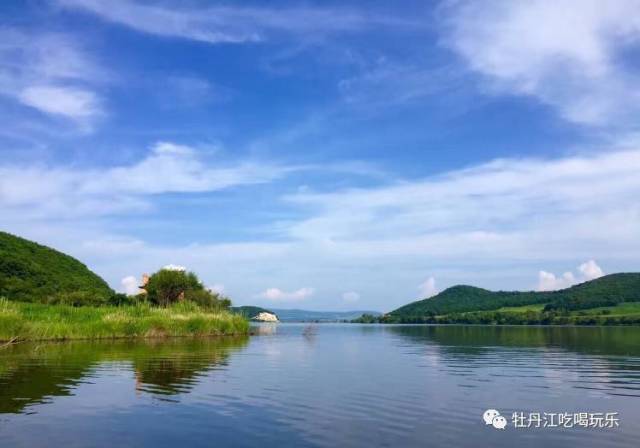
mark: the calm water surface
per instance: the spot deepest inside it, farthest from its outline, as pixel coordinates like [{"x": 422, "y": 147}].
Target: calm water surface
[{"x": 322, "y": 385}]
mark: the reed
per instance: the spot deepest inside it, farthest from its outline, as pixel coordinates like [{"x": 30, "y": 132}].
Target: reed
[{"x": 30, "y": 321}]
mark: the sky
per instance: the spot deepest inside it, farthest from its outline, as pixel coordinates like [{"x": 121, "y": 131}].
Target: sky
[{"x": 326, "y": 155}]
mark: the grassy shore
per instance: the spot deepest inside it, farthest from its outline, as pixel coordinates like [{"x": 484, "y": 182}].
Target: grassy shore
[{"x": 26, "y": 321}]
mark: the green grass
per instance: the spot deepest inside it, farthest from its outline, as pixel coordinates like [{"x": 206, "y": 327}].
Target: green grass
[
  {"x": 522, "y": 309},
  {"x": 30, "y": 321},
  {"x": 621, "y": 309}
]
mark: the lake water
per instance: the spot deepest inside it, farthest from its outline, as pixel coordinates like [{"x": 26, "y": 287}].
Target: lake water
[{"x": 323, "y": 385}]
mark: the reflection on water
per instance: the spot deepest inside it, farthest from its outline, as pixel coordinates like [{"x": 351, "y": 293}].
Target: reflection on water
[
  {"x": 593, "y": 340},
  {"x": 33, "y": 373},
  {"x": 322, "y": 385},
  {"x": 604, "y": 360}
]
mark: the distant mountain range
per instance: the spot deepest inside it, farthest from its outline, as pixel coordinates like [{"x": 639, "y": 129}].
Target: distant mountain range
[{"x": 296, "y": 315}]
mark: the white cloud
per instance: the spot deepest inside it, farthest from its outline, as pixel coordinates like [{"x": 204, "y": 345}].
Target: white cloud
[
  {"x": 428, "y": 288},
  {"x": 489, "y": 225},
  {"x": 278, "y": 295},
  {"x": 566, "y": 54},
  {"x": 51, "y": 73},
  {"x": 506, "y": 208},
  {"x": 548, "y": 281},
  {"x": 227, "y": 24},
  {"x": 168, "y": 168},
  {"x": 130, "y": 285},
  {"x": 68, "y": 102},
  {"x": 217, "y": 288},
  {"x": 350, "y": 297},
  {"x": 174, "y": 267},
  {"x": 178, "y": 168},
  {"x": 590, "y": 270}
]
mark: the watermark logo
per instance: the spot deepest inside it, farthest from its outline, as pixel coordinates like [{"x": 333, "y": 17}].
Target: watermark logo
[
  {"x": 499, "y": 422},
  {"x": 493, "y": 417},
  {"x": 521, "y": 420}
]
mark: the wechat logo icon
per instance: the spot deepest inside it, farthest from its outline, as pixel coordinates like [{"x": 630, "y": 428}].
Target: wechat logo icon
[{"x": 493, "y": 417}]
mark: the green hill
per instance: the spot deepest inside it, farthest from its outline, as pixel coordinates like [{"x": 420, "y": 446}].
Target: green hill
[
  {"x": 609, "y": 290},
  {"x": 31, "y": 272},
  {"x": 604, "y": 291}
]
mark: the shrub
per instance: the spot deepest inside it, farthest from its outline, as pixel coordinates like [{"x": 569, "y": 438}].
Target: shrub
[
  {"x": 207, "y": 299},
  {"x": 119, "y": 299},
  {"x": 76, "y": 298},
  {"x": 167, "y": 286}
]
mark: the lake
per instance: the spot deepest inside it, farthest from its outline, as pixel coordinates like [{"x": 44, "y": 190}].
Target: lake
[{"x": 326, "y": 385}]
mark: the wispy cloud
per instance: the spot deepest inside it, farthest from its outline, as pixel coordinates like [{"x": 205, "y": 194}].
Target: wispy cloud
[
  {"x": 74, "y": 103},
  {"x": 50, "y": 73},
  {"x": 228, "y": 24},
  {"x": 488, "y": 221},
  {"x": 391, "y": 83},
  {"x": 350, "y": 297},
  {"x": 278, "y": 295},
  {"x": 565, "y": 53},
  {"x": 505, "y": 208},
  {"x": 168, "y": 168}
]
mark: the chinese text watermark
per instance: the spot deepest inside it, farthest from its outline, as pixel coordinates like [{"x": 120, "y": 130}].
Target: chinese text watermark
[{"x": 523, "y": 420}]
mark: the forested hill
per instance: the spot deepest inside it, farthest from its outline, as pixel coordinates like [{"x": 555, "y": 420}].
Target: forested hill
[
  {"x": 35, "y": 273},
  {"x": 604, "y": 291}
]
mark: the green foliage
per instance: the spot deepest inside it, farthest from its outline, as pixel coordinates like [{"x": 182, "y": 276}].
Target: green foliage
[
  {"x": 527, "y": 317},
  {"x": 609, "y": 290},
  {"x": 30, "y": 272},
  {"x": 33, "y": 273},
  {"x": 250, "y": 311},
  {"x": 367, "y": 319},
  {"x": 610, "y": 300},
  {"x": 605, "y": 291},
  {"x": 166, "y": 286},
  {"x": 27, "y": 321},
  {"x": 468, "y": 298},
  {"x": 208, "y": 300},
  {"x": 120, "y": 299}
]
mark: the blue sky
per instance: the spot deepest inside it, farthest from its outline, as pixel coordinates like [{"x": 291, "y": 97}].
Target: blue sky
[{"x": 325, "y": 155}]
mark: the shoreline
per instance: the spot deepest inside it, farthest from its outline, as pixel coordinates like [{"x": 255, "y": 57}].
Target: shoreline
[
  {"x": 18, "y": 340},
  {"x": 461, "y": 324}
]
